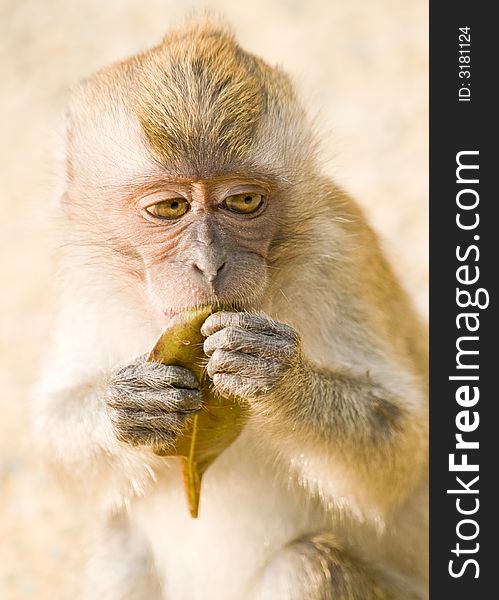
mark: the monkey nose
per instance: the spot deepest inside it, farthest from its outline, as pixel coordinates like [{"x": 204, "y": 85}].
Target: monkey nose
[{"x": 210, "y": 271}]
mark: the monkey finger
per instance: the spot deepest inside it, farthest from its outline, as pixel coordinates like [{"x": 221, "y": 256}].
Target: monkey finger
[
  {"x": 245, "y": 320},
  {"x": 146, "y": 436},
  {"x": 167, "y": 401},
  {"x": 154, "y": 375},
  {"x": 178, "y": 400},
  {"x": 231, "y": 384},
  {"x": 222, "y": 361},
  {"x": 142, "y": 420},
  {"x": 249, "y": 342},
  {"x": 142, "y": 427}
]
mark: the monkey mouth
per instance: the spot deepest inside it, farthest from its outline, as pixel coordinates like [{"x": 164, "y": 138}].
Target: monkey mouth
[{"x": 215, "y": 305}]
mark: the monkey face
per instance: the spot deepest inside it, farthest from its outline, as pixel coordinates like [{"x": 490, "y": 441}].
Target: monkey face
[
  {"x": 180, "y": 166},
  {"x": 208, "y": 242},
  {"x": 190, "y": 238}
]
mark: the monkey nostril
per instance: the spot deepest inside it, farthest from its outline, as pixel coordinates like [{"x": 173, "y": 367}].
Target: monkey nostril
[{"x": 210, "y": 273}]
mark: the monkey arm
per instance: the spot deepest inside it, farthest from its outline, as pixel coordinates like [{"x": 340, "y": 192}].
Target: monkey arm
[
  {"x": 378, "y": 435},
  {"x": 339, "y": 419}
]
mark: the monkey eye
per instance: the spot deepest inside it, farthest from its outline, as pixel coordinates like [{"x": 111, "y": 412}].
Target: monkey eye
[
  {"x": 173, "y": 208},
  {"x": 243, "y": 203}
]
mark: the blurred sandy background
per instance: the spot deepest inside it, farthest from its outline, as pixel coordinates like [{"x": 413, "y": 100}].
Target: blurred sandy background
[{"x": 361, "y": 66}]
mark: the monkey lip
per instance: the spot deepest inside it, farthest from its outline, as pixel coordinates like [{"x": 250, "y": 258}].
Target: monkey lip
[{"x": 172, "y": 311}]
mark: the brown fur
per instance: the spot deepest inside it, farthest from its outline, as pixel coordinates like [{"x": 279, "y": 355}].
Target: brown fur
[{"x": 209, "y": 120}]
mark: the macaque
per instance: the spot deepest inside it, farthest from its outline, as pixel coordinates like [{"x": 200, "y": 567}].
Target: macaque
[{"x": 192, "y": 179}]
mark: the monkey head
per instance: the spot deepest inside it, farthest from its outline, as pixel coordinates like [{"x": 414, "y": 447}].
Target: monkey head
[{"x": 188, "y": 166}]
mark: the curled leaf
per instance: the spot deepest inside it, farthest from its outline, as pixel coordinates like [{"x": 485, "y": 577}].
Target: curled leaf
[{"x": 220, "y": 419}]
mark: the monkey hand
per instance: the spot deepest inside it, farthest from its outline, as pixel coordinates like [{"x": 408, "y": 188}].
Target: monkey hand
[
  {"x": 150, "y": 403},
  {"x": 250, "y": 354}
]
